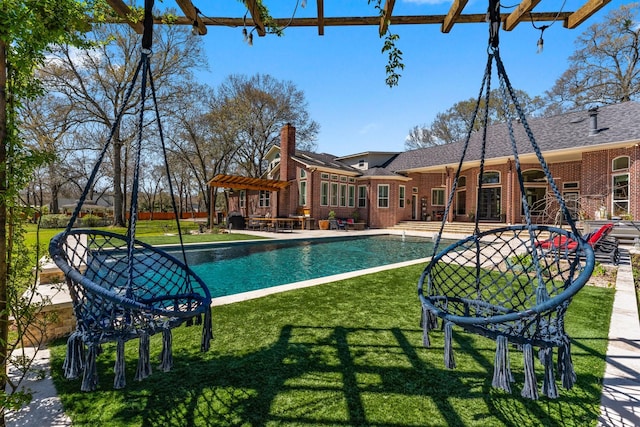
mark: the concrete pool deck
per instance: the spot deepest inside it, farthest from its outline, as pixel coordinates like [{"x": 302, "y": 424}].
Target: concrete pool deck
[{"x": 620, "y": 402}]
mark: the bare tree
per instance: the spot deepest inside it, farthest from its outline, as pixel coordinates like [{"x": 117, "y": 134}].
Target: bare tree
[
  {"x": 453, "y": 124},
  {"x": 262, "y": 105},
  {"x": 605, "y": 67},
  {"x": 94, "y": 81}
]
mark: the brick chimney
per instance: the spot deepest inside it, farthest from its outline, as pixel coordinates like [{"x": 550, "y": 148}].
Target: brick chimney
[{"x": 287, "y": 150}]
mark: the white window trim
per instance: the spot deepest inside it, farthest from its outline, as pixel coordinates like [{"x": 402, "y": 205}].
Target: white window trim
[{"x": 380, "y": 186}]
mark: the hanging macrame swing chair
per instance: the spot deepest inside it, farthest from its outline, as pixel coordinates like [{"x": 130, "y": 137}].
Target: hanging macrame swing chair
[
  {"x": 122, "y": 288},
  {"x": 503, "y": 283}
]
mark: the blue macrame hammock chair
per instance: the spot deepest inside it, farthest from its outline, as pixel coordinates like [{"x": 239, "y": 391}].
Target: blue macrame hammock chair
[
  {"x": 122, "y": 288},
  {"x": 502, "y": 283}
]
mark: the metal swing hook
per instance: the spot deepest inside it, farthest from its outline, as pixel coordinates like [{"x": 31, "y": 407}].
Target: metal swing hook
[
  {"x": 493, "y": 17},
  {"x": 147, "y": 35}
]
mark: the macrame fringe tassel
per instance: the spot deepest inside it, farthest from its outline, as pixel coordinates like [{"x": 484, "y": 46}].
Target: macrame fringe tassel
[
  {"x": 144, "y": 361},
  {"x": 424, "y": 322},
  {"x": 565, "y": 364},
  {"x": 549, "y": 387},
  {"x": 120, "y": 380},
  {"x": 166, "y": 356},
  {"x": 530, "y": 389},
  {"x": 207, "y": 331},
  {"x": 502, "y": 367},
  {"x": 74, "y": 360},
  {"x": 90, "y": 377},
  {"x": 449, "y": 360}
]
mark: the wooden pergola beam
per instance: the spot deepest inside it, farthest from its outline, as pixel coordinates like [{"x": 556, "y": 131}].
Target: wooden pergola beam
[
  {"x": 255, "y": 15},
  {"x": 124, "y": 12},
  {"x": 582, "y": 14},
  {"x": 516, "y": 16},
  {"x": 387, "y": 12},
  {"x": 320, "y": 17},
  {"x": 190, "y": 13},
  {"x": 453, "y": 15}
]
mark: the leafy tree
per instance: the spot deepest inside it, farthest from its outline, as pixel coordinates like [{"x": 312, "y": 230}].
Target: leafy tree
[
  {"x": 29, "y": 28},
  {"x": 605, "y": 67},
  {"x": 453, "y": 124},
  {"x": 94, "y": 83}
]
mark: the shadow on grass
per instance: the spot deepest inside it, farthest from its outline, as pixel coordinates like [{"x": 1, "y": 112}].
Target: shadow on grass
[{"x": 337, "y": 376}]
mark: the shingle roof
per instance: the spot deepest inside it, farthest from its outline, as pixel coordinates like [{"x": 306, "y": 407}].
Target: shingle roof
[
  {"x": 322, "y": 160},
  {"x": 616, "y": 123}
]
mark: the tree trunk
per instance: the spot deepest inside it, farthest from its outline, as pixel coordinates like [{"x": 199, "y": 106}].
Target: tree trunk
[{"x": 4, "y": 314}]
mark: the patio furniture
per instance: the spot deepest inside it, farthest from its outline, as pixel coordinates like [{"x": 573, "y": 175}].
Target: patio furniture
[
  {"x": 605, "y": 247},
  {"x": 122, "y": 288},
  {"x": 499, "y": 283}
]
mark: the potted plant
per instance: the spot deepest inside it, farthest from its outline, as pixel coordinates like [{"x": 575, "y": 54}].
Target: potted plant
[
  {"x": 324, "y": 224},
  {"x": 357, "y": 225}
]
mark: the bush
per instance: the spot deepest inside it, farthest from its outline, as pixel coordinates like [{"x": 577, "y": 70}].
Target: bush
[
  {"x": 91, "y": 221},
  {"x": 54, "y": 221}
]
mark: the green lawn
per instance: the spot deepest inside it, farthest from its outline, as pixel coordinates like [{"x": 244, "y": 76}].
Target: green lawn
[
  {"x": 152, "y": 232},
  {"x": 347, "y": 353}
]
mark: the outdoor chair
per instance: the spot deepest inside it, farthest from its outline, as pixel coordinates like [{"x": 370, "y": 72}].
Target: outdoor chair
[{"x": 605, "y": 247}]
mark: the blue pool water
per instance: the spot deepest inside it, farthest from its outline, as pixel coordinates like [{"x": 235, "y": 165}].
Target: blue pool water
[{"x": 236, "y": 268}]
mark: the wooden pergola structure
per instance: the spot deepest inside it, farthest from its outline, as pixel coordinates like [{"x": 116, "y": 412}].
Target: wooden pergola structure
[{"x": 523, "y": 12}]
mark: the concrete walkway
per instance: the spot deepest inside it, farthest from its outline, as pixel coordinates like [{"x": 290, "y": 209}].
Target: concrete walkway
[{"x": 620, "y": 403}]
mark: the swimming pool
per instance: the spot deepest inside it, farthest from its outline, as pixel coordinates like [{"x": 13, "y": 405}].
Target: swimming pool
[{"x": 242, "y": 267}]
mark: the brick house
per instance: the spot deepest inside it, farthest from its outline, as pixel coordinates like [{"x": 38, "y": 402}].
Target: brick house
[{"x": 593, "y": 155}]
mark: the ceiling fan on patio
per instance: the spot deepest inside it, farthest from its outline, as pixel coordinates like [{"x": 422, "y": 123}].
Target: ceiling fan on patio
[
  {"x": 503, "y": 283},
  {"x": 123, "y": 288}
]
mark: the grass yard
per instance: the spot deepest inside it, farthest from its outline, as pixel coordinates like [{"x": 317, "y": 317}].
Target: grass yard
[
  {"x": 151, "y": 232},
  {"x": 347, "y": 353}
]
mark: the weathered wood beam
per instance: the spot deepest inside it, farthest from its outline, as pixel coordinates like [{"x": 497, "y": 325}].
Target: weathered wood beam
[
  {"x": 254, "y": 10},
  {"x": 124, "y": 12},
  {"x": 582, "y": 14},
  {"x": 453, "y": 15},
  {"x": 387, "y": 12},
  {"x": 320, "y": 17},
  {"x": 516, "y": 16},
  {"x": 190, "y": 12}
]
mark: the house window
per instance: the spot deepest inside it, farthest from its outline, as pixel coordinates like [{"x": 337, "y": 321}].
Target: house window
[
  {"x": 437, "y": 197},
  {"x": 401, "y": 196},
  {"x": 361, "y": 163},
  {"x": 334, "y": 194},
  {"x": 461, "y": 202},
  {"x": 303, "y": 193},
  {"x": 343, "y": 194},
  {"x": 620, "y": 194},
  {"x": 303, "y": 173},
  {"x": 570, "y": 185},
  {"x": 462, "y": 181},
  {"x": 534, "y": 175},
  {"x": 334, "y": 177},
  {"x": 343, "y": 179},
  {"x": 414, "y": 190},
  {"x": 362, "y": 196},
  {"x": 352, "y": 196},
  {"x": 383, "y": 196},
  {"x": 491, "y": 177},
  {"x": 324, "y": 193},
  {"x": 620, "y": 163},
  {"x": 324, "y": 176},
  {"x": 264, "y": 199},
  {"x": 243, "y": 198},
  {"x": 352, "y": 179}
]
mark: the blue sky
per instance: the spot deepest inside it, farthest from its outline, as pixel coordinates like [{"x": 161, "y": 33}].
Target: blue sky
[{"x": 342, "y": 73}]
